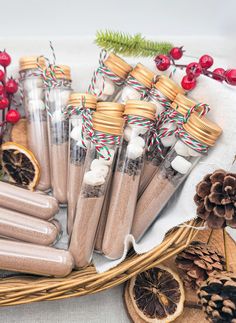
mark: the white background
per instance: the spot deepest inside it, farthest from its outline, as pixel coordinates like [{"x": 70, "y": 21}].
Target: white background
[{"x": 202, "y": 26}]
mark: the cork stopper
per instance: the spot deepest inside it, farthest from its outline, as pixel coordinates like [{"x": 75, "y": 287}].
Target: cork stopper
[
  {"x": 90, "y": 100},
  {"x": 63, "y": 72},
  {"x": 143, "y": 75},
  {"x": 182, "y": 104},
  {"x": 108, "y": 124},
  {"x": 118, "y": 66},
  {"x": 29, "y": 62},
  {"x": 202, "y": 129},
  {"x": 140, "y": 108},
  {"x": 111, "y": 108},
  {"x": 168, "y": 87}
]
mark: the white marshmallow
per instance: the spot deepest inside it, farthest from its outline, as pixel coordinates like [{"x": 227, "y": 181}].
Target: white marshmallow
[
  {"x": 76, "y": 133},
  {"x": 36, "y": 105},
  {"x": 76, "y": 122},
  {"x": 137, "y": 141},
  {"x": 181, "y": 165},
  {"x": 193, "y": 152},
  {"x": 181, "y": 149},
  {"x": 129, "y": 93},
  {"x": 32, "y": 83},
  {"x": 93, "y": 179},
  {"x": 105, "y": 153},
  {"x": 57, "y": 116},
  {"x": 127, "y": 133},
  {"x": 101, "y": 170},
  {"x": 64, "y": 95},
  {"x": 138, "y": 130},
  {"x": 80, "y": 143},
  {"x": 107, "y": 87},
  {"x": 96, "y": 163},
  {"x": 36, "y": 94},
  {"x": 168, "y": 141},
  {"x": 134, "y": 151}
]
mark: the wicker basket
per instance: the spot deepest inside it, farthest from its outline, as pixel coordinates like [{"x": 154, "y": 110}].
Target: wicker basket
[{"x": 26, "y": 289}]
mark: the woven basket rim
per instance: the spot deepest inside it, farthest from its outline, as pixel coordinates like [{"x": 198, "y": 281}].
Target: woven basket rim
[{"x": 24, "y": 289}]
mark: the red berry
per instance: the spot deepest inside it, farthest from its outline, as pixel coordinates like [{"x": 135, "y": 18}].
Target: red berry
[
  {"x": 193, "y": 69},
  {"x": 176, "y": 52},
  {"x": 5, "y": 59},
  {"x": 1, "y": 89},
  {"x": 2, "y": 75},
  {"x": 12, "y": 116},
  {"x": 188, "y": 83},
  {"x": 218, "y": 74},
  {"x": 206, "y": 61},
  {"x": 230, "y": 76},
  {"x": 4, "y": 102},
  {"x": 11, "y": 86},
  {"x": 162, "y": 62}
]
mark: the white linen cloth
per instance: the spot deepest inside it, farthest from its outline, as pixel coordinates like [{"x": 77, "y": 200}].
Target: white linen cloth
[{"x": 181, "y": 208}]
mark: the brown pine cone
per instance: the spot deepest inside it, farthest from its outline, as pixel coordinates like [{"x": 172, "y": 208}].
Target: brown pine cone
[
  {"x": 197, "y": 262},
  {"x": 216, "y": 199},
  {"x": 218, "y": 298}
]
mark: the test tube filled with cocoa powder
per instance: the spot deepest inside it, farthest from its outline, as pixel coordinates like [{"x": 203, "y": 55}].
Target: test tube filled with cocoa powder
[
  {"x": 124, "y": 190},
  {"x": 57, "y": 98},
  {"x": 18, "y": 226},
  {"x": 39, "y": 205},
  {"x": 137, "y": 84},
  {"x": 109, "y": 78},
  {"x": 116, "y": 110},
  {"x": 162, "y": 94},
  {"x": 98, "y": 169},
  {"x": 34, "y": 259},
  {"x": 194, "y": 139},
  {"x": 79, "y": 110},
  {"x": 35, "y": 110}
]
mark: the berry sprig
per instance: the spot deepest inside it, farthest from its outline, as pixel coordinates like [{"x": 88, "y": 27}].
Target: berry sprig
[
  {"x": 8, "y": 88},
  {"x": 194, "y": 69}
]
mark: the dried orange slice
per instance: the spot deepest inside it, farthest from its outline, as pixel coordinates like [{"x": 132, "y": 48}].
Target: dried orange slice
[
  {"x": 20, "y": 164},
  {"x": 155, "y": 296}
]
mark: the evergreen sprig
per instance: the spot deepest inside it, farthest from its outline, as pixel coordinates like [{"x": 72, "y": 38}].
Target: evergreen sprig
[{"x": 130, "y": 45}]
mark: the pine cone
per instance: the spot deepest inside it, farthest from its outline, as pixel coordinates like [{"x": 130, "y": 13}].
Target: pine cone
[
  {"x": 197, "y": 262},
  {"x": 216, "y": 199},
  {"x": 218, "y": 298}
]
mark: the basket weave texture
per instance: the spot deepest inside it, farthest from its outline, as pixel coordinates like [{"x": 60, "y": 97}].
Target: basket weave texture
[{"x": 26, "y": 289}]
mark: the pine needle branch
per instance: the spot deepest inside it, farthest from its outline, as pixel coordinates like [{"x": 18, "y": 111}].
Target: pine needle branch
[{"x": 130, "y": 45}]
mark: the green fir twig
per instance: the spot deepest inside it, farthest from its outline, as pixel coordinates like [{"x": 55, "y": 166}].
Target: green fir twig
[{"x": 130, "y": 45}]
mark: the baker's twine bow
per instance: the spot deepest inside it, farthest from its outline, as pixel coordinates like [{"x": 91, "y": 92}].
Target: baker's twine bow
[
  {"x": 133, "y": 83},
  {"x": 160, "y": 130},
  {"x": 86, "y": 115},
  {"x": 101, "y": 142},
  {"x": 104, "y": 72}
]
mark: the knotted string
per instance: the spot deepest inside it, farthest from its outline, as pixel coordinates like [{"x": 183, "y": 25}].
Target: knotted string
[
  {"x": 103, "y": 71},
  {"x": 86, "y": 116},
  {"x": 48, "y": 75},
  {"x": 172, "y": 116},
  {"x": 141, "y": 89},
  {"x": 101, "y": 142}
]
